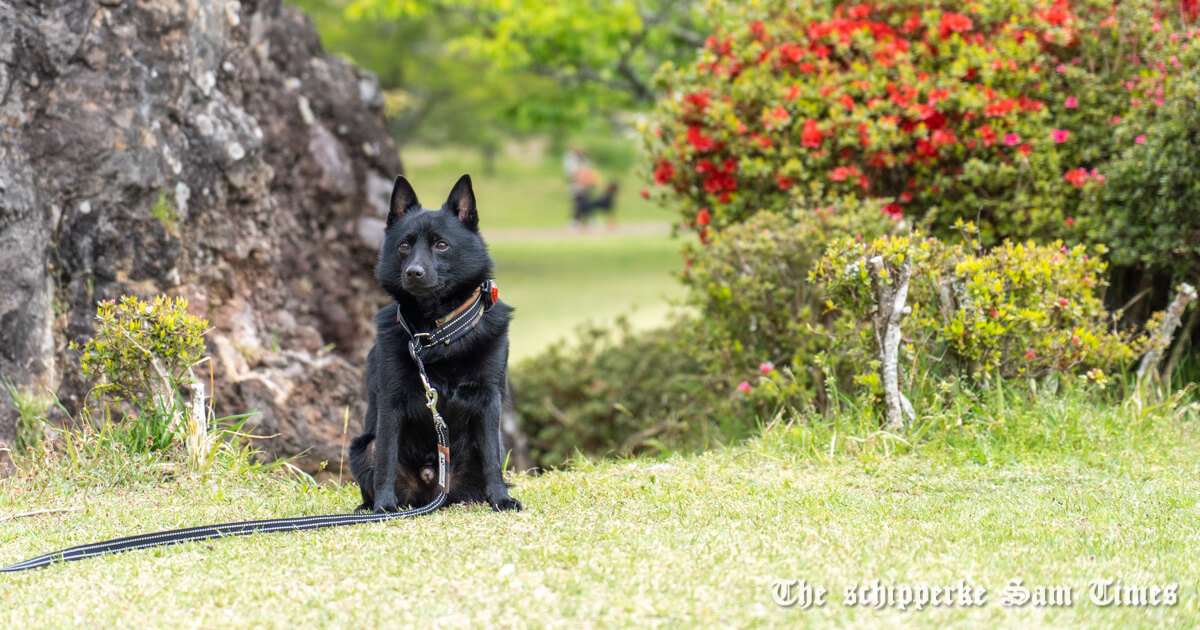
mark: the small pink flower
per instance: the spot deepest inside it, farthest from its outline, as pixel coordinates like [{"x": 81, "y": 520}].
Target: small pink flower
[
  {"x": 1070, "y": 221},
  {"x": 1158, "y": 101},
  {"x": 1097, "y": 176},
  {"x": 766, "y": 367},
  {"x": 1060, "y": 135},
  {"x": 1115, "y": 120},
  {"x": 1012, "y": 139},
  {"x": 1064, "y": 302},
  {"x": 993, "y": 313},
  {"x": 1060, "y": 69},
  {"x": 1077, "y": 177},
  {"x": 645, "y": 194},
  {"x": 1071, "y": 103},
  {"x": 744, "y": 387},
  {"x": 1140, "y": 139},
  {"x": 1029, "y": 355}
]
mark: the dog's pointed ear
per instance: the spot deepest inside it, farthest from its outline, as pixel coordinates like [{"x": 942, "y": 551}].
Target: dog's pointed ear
[
  {"x": 404, "y": 198},
  {"x": 462, "y": 203}
]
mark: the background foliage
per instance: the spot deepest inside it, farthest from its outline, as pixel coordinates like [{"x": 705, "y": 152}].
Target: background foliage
[
  {"x": 476, "y": 72},
  {"x": 1018, "y": 137}
]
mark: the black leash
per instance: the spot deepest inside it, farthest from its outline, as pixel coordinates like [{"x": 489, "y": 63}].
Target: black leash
[
  {"x": 206, "y": 532},
  {"x": 446, "y": 333}
]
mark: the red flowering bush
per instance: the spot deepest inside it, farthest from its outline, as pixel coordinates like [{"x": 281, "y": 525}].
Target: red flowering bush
[{"x": 1002, "y": 112}]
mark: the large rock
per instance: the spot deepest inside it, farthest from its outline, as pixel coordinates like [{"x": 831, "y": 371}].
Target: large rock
[{"x": 203, "y": 148}]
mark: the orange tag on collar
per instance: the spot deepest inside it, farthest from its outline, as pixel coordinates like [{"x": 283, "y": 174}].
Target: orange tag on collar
[{"x": 495, "y": 292}]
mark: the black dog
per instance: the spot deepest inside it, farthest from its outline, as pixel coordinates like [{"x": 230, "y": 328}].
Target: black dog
[{"x": 436, "y": 266}]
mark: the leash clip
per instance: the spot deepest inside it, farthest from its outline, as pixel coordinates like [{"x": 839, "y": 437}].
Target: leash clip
[{"x": 431, "y": 398}]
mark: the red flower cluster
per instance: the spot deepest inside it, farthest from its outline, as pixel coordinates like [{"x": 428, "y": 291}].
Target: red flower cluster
[
  {"x": 811, "y": 136},
  {"x": 664, "y": 172},
  {"x": 698, "y": 100},
  {"x": 954, "y": 23},
  {"x": 700, "y": 142},
  {"x": 1080, "y": 176},
  {"x": 719, "y": 181},
  {"x": 889, "y": 99}
]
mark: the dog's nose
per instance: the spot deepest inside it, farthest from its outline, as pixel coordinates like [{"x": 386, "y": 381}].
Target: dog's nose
[{"x": 414, "y": 271}]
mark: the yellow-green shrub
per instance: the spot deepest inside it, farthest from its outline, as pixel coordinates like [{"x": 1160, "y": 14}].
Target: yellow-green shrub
[
  {"x": 1017, "y": 310},
  {"x": 142, "y": 353}
]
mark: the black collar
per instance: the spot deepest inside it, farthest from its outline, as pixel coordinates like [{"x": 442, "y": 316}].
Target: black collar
[{"x": 459, "y": 322}]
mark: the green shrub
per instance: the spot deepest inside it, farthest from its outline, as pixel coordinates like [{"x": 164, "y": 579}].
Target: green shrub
[
  {"x": 619, "y": 392},
  {"x": 166, "y": 214},
  {"x": 1007, "y": 112},
  {"x": 752, "y": 290},
  {"x": 1018, "y": 310},
  {"x": 143, "y": 353},
  {"x": 694, "y": 383},
  {"x": 1148, "y": 210},
  {"x": 31, "y": 406}
]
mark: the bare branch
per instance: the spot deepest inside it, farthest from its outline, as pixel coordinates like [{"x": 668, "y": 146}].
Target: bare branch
[
  {"x": 39, "y": 512},
  {"x": 1162, "y": 337}
]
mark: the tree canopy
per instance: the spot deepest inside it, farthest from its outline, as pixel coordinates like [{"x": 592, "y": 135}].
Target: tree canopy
[{"x": 468, "y": 71}]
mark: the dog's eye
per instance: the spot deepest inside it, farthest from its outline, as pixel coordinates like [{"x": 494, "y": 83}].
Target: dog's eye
[
  {"x": 404, "y": 246},
  {"x": 442, "y": 246}
]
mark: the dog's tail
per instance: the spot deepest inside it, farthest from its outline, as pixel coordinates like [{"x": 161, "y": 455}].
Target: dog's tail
[
  {"x": 362, "y": 469},
  {"x": 360, "y": 458},
  {"x": 359, "y": 453}
]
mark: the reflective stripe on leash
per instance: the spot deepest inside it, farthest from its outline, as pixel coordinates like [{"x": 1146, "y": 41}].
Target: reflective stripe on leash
[{"x": 176, "y": 536}]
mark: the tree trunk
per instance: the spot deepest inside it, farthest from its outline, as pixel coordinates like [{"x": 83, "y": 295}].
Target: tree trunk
[
  {"x": 1182, "y": 343},
  {"x": 489, "y": 152},
  {"x": 890, "y": 310},
  {"x": 1162, "y": 336}
]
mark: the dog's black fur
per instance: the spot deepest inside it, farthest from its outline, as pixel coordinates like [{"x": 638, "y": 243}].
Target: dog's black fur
[{"x": 431, "y": 262}]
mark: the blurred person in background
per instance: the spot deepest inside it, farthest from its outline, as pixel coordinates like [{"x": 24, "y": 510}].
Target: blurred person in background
[{"x": 583, "y": 181}]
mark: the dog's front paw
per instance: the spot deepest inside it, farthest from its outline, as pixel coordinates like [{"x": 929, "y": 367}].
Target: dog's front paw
[
  {"x": 505, "y": 504},
  {"x": 386, "y": 501},
  {"x": 362, "y": 508}
]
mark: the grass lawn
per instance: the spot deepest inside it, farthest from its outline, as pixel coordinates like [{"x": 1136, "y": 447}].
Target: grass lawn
[
  {"x": 1056, "y": 490},
  {"x": 558, "y": 280},
  {"x": 689, "y": 541}
]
